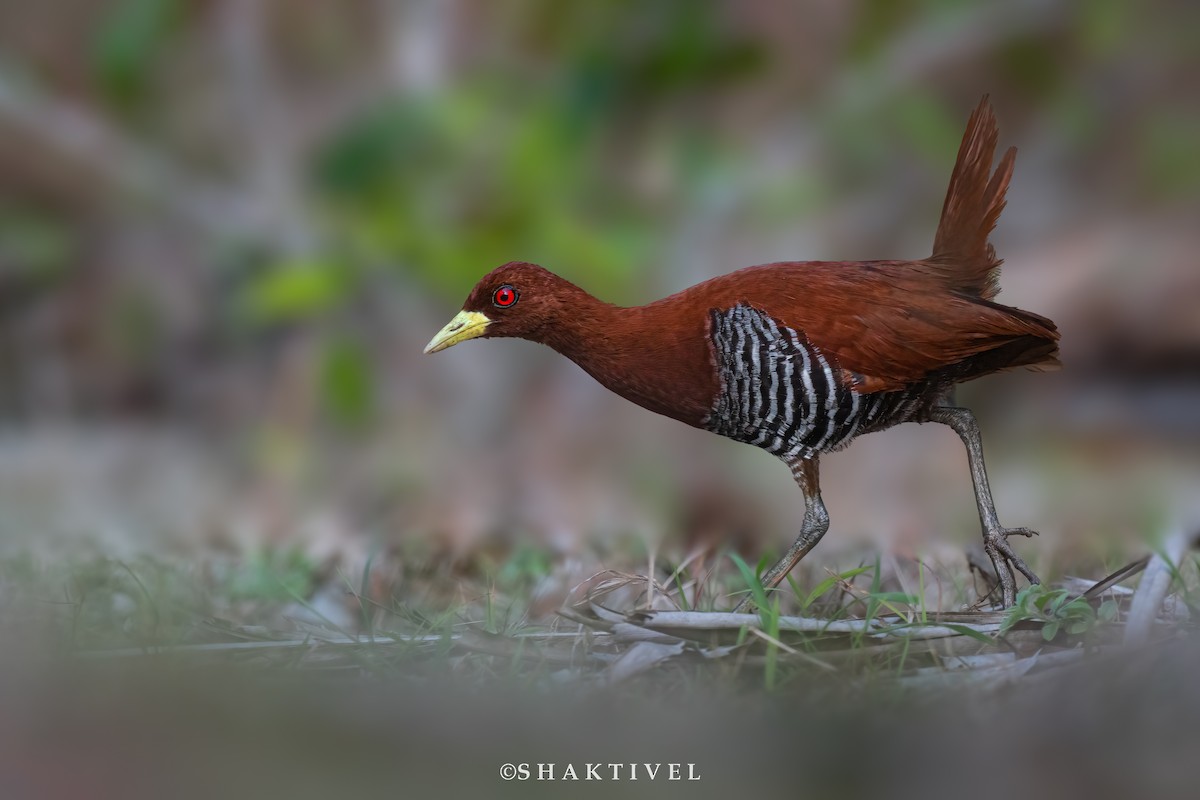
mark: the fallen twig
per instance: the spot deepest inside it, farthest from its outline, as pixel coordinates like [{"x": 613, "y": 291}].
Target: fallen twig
[
  {"x": 1148, "y": 600},
  {"x": 876, "y": 628},
  {"x": 1110, "y": 582}
]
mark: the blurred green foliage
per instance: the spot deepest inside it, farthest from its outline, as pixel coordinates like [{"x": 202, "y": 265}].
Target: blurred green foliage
[
  {"x": 421, "y": 185},
  {"x": 279, "y": 574},
  {"x": 537, "y": 167},
  {"x": 129, "y": 44},
  {"x": 594, "y": 138},
  {"x": 1058, "y": 611},
  {"x": 293, "y": 290},
  {"x": 1170, "y": 155},
  {"x": 928, "y": 124},
  {"x": 138, "y": 602},
  {"x": 347, "y": 380},
  {"x": 34, "y": 247}
]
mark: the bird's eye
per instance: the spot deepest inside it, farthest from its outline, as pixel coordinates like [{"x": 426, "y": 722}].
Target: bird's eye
[{"x": 505, "y": 296}]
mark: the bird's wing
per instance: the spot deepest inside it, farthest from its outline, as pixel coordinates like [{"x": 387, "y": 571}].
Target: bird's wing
[{"x": 886, "y": 324}]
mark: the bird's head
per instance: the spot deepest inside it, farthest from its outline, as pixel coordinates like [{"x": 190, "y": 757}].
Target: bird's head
[{"x": 516, "y": 299}]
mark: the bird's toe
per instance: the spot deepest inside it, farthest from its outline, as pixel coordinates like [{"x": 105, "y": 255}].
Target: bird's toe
[
  {"x": 1026, "y": 532},
  {"x": 1006, "y": 559}
]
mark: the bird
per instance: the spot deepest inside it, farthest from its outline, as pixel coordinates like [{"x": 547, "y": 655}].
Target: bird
[{"x": 799, "y": 358}]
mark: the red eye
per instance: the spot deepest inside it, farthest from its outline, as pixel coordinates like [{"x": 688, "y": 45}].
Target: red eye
[{"x": 505, "y": 296}]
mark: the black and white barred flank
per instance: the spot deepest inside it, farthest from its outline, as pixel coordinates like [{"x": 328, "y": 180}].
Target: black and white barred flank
[{"x": 779, "y": 392}]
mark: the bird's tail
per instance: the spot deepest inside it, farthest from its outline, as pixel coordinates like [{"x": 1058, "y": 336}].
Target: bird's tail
[
  {"x": 1020, "y": 339},
  {"x": 962, "y": 255}
]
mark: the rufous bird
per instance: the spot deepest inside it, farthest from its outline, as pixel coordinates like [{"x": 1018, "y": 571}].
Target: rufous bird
[{"x": 800, "y": 357}]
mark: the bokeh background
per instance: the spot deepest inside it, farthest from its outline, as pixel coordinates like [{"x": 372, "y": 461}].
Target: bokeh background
[{"x": 227, "y": 229}]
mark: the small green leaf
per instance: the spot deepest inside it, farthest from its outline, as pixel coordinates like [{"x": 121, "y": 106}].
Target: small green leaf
[
  {"x": 1077, "y": 627},
  {"x": 1081, "y": 610},
  {"x": 1050, "y": 630},
  {"x": 1108, "y": 610},
  {"x": 1043, "y": 600},
  {"x": 1059, "y": 601},
  {"x": 1015, "y": 614}
]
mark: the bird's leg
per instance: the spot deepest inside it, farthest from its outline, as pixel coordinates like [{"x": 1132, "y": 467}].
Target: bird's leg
[
  {"x": 816, "y": 522},
  {"x": 995, "y": 538}
]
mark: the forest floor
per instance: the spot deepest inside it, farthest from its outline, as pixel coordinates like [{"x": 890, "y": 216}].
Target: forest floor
[
  {"x": 869, "y": 672},
  {"x": 240, "y": 678}
]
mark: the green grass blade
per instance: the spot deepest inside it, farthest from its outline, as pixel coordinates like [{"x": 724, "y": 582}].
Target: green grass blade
[{"x": 756, "y": 588}]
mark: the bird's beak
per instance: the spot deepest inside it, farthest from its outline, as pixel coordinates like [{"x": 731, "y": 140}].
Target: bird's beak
[{"x": 465, "y": 325}]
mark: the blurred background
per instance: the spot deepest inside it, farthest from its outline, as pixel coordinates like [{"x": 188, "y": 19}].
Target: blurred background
[{"x": 228, "y": 228}]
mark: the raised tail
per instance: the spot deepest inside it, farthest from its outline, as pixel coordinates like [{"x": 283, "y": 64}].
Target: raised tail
[{"x": 962, "y": 255}]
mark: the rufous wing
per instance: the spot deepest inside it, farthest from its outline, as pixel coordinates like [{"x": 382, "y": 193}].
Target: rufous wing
[{"x": 887, "y": 326}]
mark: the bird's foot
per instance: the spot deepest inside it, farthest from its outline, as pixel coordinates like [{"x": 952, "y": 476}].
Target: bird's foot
[{"x": 995, "y": 544}]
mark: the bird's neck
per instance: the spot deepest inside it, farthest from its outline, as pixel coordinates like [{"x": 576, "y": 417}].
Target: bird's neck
[
  {"x": 592, "y": 333},
  {"x": 646, "y": 354}
]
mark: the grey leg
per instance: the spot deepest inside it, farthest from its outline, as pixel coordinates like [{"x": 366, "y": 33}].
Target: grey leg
[
  {"x": 816, "y": 522},
  {"x": 995, "y": 538}
]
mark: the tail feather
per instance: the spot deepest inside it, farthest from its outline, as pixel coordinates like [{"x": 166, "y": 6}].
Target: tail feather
[
  {"x": 962, "y": 255},
  {"x": 1032, "y": 342},
  {"x": 1037, "y": 353}
]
